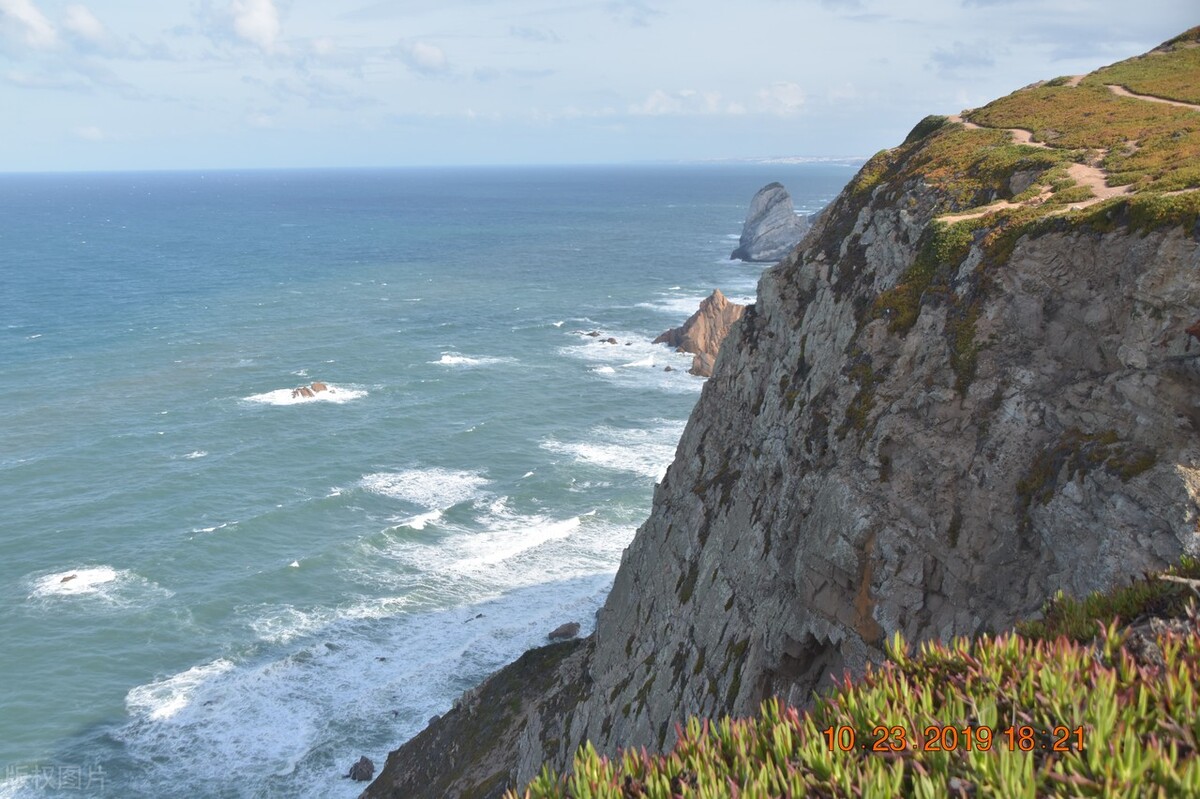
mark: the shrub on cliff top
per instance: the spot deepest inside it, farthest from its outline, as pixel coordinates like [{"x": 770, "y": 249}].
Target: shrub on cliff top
[{"x": 1004, "y": 716}]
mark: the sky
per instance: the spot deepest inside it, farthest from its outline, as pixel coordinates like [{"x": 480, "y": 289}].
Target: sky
[{"x": 210, "y": 84}]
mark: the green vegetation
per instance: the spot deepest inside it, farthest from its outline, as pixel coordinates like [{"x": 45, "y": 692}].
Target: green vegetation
[
  {"x": 1029, "y": 714},
  {"x": 1151, "y": 146},
  {"x": 1080, "y": 620},
  {"x": 943, "y": 248},
  {"x": 1075, "y": 454},
  {"x": 1168, "y": 71},
  {"x": 925, "y": 127}
]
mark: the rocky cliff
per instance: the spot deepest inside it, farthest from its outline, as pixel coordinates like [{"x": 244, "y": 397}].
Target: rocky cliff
[
  {"x": 772, "y": 227},
  {"x": 704, "y": 331},
  {"x": 972, "y": 385}
]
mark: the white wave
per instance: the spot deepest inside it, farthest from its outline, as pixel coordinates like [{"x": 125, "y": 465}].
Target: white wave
[
  {"x": 558, "y": 323},
  {"x": 433, "y": 488},
  {"x": 291, "y": 724},
  {"x": 280, "y": 625},
  {"x": 13, "y": 787},
  {"x": 458, "y": 359},
  {"x": 640, "y": 364},
  {"x": 212, "y": 529},
  {"x": 113, "y": 587},
  {"x": 284, "y": 396},
  {"x": 681, "y": 307},
  {"x": 511, "y": 537},
  {"x": 641, "y": 451},
  {"x": 191, "y": 456},
  {"x": 78, "y": 581},
  {"x": 420, "y": 521},
  {"x": 164, "y": 698}
]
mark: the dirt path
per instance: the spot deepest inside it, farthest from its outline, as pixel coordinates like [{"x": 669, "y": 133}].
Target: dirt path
[
  {"x": 1121, "y": 91},
  {"x": 1095, "y": 178}
]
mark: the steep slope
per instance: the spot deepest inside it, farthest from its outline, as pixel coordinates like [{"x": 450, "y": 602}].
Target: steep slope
[{"x": 972, "y": 385}]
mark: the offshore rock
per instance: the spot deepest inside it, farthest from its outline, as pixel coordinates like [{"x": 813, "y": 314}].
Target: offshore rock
[
  {"x": 704, "y": 331},
  {"x": 363, "y": 770},
  {"x": 772, "y": 227}
]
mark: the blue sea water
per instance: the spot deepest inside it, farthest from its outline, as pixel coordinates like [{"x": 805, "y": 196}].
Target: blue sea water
[{"x": 211, "y": 588}]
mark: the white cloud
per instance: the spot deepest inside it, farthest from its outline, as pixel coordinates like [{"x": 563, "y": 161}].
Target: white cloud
[
  {"x": 83, "y": 23},
  {"x": 90, "y": 133},
  {"x": 30, "y": 24},
  {"x": 256, "y": 22},
  {"x": 684, "y": 101},
  {"x": 424, "y": 58},
  {"x": 781, "y": 99}
]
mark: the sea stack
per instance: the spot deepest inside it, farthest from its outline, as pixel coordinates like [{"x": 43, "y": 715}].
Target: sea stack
[
  {"x": 704, "y": 331},
  {"x": 772, "y": 227}
]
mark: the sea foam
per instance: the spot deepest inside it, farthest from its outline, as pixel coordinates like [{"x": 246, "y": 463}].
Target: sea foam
[
  {"x": 433, "y": 488},
  {"x": 284, "y": 396}
]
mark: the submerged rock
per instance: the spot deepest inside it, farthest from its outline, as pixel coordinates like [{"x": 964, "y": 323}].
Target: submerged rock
[
  {"x": 772, "y": 227},
  {"x": 704, "y": 331}
]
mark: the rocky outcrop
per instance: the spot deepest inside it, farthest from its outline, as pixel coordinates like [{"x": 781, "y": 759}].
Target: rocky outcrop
[
  {"x": 704, "y": 331},
  {"x": 921, "y": 426},
  {"x": 469, "y": 752},
  {"x": 564, "y": 632},
  {"x": 772, "y": 227},
  {"x": 363, "y": 770},
  {"x": 308, "y": 392}
]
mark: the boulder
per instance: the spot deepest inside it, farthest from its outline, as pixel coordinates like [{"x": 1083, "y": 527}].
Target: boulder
[
  {"x": 704, "y": 331},
  {"x": 319, "y": 386},
  {"x": 363, "y": 770},
  {"x": 564, "y": 631},
  {"x": 772, "y": 227}
]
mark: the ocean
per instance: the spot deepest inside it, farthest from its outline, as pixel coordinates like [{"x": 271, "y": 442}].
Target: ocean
[{"x": 211, "y": 587}]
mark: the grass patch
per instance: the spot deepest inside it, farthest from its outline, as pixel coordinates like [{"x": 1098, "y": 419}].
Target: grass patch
[
  {"x": 1080, "y": 620},
  {"x": 1014, "y": 715},
  {"x": 1168, "y": 71},
  {"x": 1150, "y": 145}
]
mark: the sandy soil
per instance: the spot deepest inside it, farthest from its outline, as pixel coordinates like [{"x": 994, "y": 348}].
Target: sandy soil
[{"x": 1123, "y": 92}]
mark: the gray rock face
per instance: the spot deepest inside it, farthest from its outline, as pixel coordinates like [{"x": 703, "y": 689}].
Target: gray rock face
[
  {"x": 842, "y": 479},
  {"x": 772, "y": 227},
  {"x": 564, "y": 632},
  {"x": 363, "y": 770}
]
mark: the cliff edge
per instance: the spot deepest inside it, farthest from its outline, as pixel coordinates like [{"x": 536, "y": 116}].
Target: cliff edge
[{"x": 973, "y": 384}]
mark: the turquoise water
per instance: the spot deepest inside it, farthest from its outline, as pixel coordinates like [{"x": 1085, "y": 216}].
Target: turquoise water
[{"x": 211, "y": 588}]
